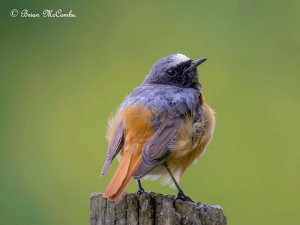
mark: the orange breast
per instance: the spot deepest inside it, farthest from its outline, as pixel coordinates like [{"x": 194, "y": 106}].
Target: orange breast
[{"x": 192, "y": 141}]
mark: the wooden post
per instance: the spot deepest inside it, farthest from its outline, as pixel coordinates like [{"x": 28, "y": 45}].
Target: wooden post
[{"x": 152, "y": 209}]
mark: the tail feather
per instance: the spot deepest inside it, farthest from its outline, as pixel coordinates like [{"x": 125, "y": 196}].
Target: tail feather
[{"x": 122, "y": 176}]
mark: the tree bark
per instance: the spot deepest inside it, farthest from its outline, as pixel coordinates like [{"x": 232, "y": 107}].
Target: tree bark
[{"x": 152, "y": 209}]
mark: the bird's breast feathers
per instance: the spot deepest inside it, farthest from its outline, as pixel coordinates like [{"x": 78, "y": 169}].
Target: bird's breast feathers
[
  {"x": 164, "y": 98},
  {"x": 144, "y": 110}
]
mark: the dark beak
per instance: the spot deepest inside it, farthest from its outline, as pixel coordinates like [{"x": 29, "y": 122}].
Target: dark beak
[{"x": 195, "y": 63}]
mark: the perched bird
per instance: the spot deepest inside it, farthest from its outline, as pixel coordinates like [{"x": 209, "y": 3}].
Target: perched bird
[{"x": 161, "y": 128}]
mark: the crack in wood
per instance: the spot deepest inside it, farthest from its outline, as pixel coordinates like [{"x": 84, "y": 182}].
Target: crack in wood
[{"x": 152, "y": 209}]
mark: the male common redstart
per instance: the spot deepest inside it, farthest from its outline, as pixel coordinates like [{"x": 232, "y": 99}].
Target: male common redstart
[{"x": 161, "y": 128}]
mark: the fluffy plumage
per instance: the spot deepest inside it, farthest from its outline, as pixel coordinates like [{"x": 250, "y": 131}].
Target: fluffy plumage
[{"x": 166, "y": 119}]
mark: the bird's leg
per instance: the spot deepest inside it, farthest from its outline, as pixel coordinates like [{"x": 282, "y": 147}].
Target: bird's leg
[
  {"x": 141, "y": 189},
  {"x": 180, "y": 194}
]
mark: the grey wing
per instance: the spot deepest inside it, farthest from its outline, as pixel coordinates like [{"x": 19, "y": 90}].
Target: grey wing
[
  {"x": 157, "y": 148},
  {"x": 114, "y": 147}
]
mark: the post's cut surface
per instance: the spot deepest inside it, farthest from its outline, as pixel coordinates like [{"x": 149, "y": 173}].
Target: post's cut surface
[{"x": 152, "y": 209}]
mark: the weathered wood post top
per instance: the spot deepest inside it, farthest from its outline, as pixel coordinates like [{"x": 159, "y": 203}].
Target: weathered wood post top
[{"x": 152, "y": 209}]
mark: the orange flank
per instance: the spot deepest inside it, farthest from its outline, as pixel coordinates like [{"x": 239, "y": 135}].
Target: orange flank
[
  {"x": 138, "y": 129},
  {"x": 187, "y": 150}
]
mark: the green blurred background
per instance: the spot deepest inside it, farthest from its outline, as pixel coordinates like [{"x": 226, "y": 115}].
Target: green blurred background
[{"x": 60, "y": 79}]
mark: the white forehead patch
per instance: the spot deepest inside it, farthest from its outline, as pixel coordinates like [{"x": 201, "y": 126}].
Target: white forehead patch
[{"x": 179, "y": 58}]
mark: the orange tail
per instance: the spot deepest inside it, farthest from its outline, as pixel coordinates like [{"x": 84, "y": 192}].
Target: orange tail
[
  {"x": 137, "y": 122},
  {"x": 122, "y": 176}
]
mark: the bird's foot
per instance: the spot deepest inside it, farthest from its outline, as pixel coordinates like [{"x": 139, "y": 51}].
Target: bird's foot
[
  {"x": 182, "y": 197},
  {"x": 140, "y": 191}
]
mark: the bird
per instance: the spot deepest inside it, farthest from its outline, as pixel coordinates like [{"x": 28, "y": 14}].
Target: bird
[{"x": 161, "y": 128}]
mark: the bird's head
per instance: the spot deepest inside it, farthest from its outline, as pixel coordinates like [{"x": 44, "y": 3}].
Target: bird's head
[{"x": 176, "y": 69}]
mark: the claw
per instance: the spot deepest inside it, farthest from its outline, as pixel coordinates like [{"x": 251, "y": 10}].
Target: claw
[
  {"x": 182, "y": 197},
  {"x": 140, "y": 191}
]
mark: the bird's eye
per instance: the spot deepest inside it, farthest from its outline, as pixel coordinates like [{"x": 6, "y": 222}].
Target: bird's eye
[{"x": 171, "y": 72}]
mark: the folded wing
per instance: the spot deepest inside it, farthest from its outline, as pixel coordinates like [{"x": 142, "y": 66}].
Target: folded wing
[
  {"x": 115, "y": 145},
  {"x": 157, "y": 148}
]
